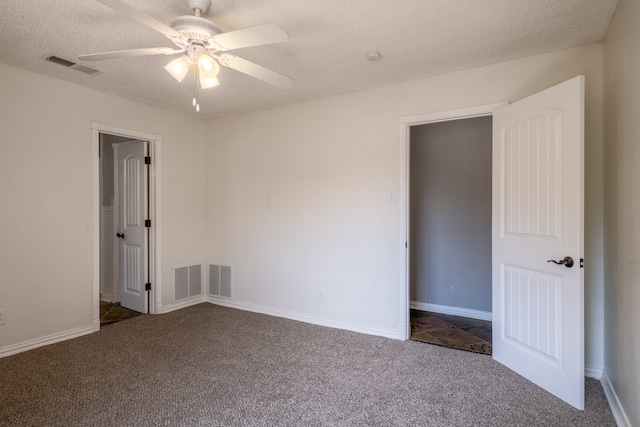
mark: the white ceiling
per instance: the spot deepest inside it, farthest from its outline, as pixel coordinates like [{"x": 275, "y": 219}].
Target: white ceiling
[{"x": 327, "y": 52}]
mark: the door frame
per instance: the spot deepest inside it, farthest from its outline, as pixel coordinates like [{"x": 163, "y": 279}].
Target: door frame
[
  {"x": 404, "y": 135},
  {"x": 155, "y": 276}
]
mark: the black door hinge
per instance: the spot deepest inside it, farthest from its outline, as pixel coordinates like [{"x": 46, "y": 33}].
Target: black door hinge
[
  {"x": 147, "y": 223},
  {"x": 147, "y": 286},
  {"x": 147, "y": 160},
  {"x": 581, "y": 262}
]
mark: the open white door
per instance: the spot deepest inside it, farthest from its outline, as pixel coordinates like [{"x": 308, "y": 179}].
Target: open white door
[
  {"x": 131, "y": 182},
  {"x": 538, "y": 322}
]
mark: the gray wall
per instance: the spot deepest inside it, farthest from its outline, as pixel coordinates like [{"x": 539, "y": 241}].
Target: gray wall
[{"x": 450, "y": 213}]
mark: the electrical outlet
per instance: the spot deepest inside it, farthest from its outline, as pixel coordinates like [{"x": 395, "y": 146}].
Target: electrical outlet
[{"x": 3, "y": 316}]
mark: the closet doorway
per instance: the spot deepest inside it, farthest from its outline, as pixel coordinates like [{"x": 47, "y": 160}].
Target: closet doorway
[
  {"x": 126, "y": 254},
  {"x": 537, "y": 234},
  {"x": 450, "y": 233}
]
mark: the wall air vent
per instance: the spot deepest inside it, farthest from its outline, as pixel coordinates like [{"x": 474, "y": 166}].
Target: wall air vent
[
  {"x": 69, "y": 64},
  {"x": 220, "y": 280},
  {"x": 187, "y": 281}
]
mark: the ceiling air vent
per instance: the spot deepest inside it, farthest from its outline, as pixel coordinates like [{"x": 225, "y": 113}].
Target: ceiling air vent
[{"x": 69, "y": 64}]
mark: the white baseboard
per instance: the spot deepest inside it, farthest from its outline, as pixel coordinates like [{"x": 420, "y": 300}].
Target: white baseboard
[
  {"x": 49, "y": 339},
  {"x": 454, "y": 311},
  {"x": 315, "y": 320},
  {"x": 187, "y": 302},
  {"x": 614, "y": 403},
  {"x": 108, "y": 297},
  {"x": 595, "y": 372}
]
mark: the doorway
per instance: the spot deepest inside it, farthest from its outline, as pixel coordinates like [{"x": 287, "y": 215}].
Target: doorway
[
  {"x": 124, "y": 263},
  {"x": 107, "y": 260},
  {"x": 445, "y": 297},
  {"x": 537, "y": 233},
  {"x": 450, "y": 233}
]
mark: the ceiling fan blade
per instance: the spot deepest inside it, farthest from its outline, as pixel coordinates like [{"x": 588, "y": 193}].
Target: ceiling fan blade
[
  {"x": 256, "y": 71},
  {"x": 252, "y": 36},
  {"x": 129, "y": 53},
  {"x": 141, "y": 17}
]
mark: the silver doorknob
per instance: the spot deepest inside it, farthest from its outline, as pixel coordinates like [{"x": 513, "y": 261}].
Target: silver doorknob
[{"x": 567, "y": 261}]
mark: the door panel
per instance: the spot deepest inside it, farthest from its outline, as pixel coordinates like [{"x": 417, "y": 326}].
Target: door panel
[
  {"x": 532, "y": 181},
  {"x": 538, "y": 216},
  {"x": 532, "y": 312},
  {"x": 132, "y": 252}
]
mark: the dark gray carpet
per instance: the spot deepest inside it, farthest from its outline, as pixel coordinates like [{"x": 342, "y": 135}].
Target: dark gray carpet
[{"x": 213, "y": 366}]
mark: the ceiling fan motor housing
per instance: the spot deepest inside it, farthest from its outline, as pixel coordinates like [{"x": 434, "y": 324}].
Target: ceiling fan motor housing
[{"x": 195, "y": 28}]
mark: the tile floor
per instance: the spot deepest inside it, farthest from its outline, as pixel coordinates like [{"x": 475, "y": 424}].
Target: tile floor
[
  {"x": 112, "y": 312},
  {"x": 451, "y": 331}
]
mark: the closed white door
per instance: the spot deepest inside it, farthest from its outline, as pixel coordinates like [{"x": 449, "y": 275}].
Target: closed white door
[
  {"x": 538, "y": 304},
  {"x": 131, "y": 235}
]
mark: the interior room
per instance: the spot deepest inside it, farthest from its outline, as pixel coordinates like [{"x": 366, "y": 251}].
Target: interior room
[{"x": 282, "y": 188}]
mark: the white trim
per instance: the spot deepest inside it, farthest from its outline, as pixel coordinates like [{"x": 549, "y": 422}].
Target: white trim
[
  {"x": 302, "y": 317},
  {"x": 594, "y": 372},
  {"x": 454, "y": 311},
  {"x": 447, "y": 115},
  {"x": 49, "y": 339},
  {"x": 107, "y": 297},
  {"x": 95, "y": 208},
  {"x": 155, "y": 141},
  {"x": 614, "y": 403},
  {"x": 404, "y": 325},
  {"x": 186, "y": 302},
  {"x": 404, "y": 125},
  {"x": 155, "y": 243}
]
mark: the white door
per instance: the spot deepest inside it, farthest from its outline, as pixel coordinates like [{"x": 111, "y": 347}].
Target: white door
[
  {"x": 130, "y": 185},
  {"x": 538, "y": 306}
]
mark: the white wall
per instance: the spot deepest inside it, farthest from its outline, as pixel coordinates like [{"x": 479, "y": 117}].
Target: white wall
[
  {"x": 622, "y": 209},
  {"x": 330, "y": 164},
  {"x": 46, "y": 217}
]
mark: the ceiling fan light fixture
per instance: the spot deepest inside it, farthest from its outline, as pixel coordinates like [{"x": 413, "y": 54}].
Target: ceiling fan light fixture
[
  {"x": 208, "y": 82},
  {"x": 178, "y": 68},
  {"x": 207, "y": 65},
  {"x": 199, "y": 39}
]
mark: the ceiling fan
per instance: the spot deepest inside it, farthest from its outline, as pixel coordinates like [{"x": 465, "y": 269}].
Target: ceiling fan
[{"x": 203, "y": 45}]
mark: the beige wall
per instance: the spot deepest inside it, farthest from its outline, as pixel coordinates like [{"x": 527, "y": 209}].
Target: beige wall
[
  {"x": 330, "y": 164},
  {"x": 622, "y": 207},
  {"x": 46, "y": 217}
]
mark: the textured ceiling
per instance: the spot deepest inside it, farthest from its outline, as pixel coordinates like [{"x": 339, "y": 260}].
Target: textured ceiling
[{"x": 327, "y": 52}]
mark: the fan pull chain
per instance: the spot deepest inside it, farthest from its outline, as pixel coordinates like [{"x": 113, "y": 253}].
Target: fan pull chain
[{"x": 195, "y": 92}]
